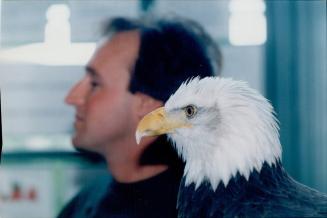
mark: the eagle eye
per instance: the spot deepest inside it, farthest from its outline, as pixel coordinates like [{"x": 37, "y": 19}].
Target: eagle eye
[{"x": 190, "y": 111}]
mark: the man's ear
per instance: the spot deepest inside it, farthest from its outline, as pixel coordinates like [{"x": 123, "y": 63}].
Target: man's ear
[{"x": 146, "y": 104}]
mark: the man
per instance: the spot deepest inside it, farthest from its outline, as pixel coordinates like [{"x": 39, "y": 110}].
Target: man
[{"x": 134, "y": 70}]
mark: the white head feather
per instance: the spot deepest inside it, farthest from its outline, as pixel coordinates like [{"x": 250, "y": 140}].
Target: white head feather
[{"x": 234, "y": 130}]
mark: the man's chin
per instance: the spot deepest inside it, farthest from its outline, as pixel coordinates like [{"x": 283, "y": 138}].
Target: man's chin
[
  {"x": 87, "y": 151},
  {"x": 80, "y": 144},
  {"x": 90, "y": 156}
]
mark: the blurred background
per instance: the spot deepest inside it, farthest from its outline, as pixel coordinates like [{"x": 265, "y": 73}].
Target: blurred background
[{"x": 278, "y": 47}]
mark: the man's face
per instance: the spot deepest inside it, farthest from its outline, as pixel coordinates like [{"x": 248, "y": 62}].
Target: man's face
[{"x": 104, "y": 107}]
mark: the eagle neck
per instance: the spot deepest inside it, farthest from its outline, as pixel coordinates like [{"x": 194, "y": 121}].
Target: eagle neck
[{"x": 267, "y": 179}]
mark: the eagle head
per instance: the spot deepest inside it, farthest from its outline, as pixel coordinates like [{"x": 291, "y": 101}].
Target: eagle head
[{"x": 219, "y": 126}]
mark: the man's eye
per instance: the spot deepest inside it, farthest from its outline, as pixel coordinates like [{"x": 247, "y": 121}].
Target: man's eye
[{"x": 94, "y": 84}]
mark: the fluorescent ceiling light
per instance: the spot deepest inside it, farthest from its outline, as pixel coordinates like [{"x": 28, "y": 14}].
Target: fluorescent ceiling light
[
  {"x": 247, "y": 22},
  {"x": 57, "y": 48}
]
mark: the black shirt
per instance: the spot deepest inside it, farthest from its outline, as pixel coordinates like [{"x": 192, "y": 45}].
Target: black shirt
[{"x": 151, "y": 198}]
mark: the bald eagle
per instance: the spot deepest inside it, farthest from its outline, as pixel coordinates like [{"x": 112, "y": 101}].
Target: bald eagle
[{"x": 227, "y": 134}]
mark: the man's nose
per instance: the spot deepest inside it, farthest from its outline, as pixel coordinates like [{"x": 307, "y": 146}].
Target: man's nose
[{"x": 76, "y": 96}]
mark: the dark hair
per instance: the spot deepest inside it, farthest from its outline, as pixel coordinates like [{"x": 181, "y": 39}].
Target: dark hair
[{"x": 172, "y": 50}]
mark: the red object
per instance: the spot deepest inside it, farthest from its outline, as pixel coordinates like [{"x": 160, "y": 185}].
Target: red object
[
  {"x": 16, "y": 194},
  {"x": 32, "y": 194}
]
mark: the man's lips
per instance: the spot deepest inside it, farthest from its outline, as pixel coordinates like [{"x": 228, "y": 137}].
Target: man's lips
[
  {"x": 78, "y": 121},
  {"x": 79, "y": 117}
]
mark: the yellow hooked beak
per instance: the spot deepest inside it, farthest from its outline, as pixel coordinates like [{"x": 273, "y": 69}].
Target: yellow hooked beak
[{"x": 157, "y": 122}]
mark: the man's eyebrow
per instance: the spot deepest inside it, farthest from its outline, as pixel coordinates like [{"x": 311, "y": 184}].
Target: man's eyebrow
[{"x": 91, "y": 71}]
